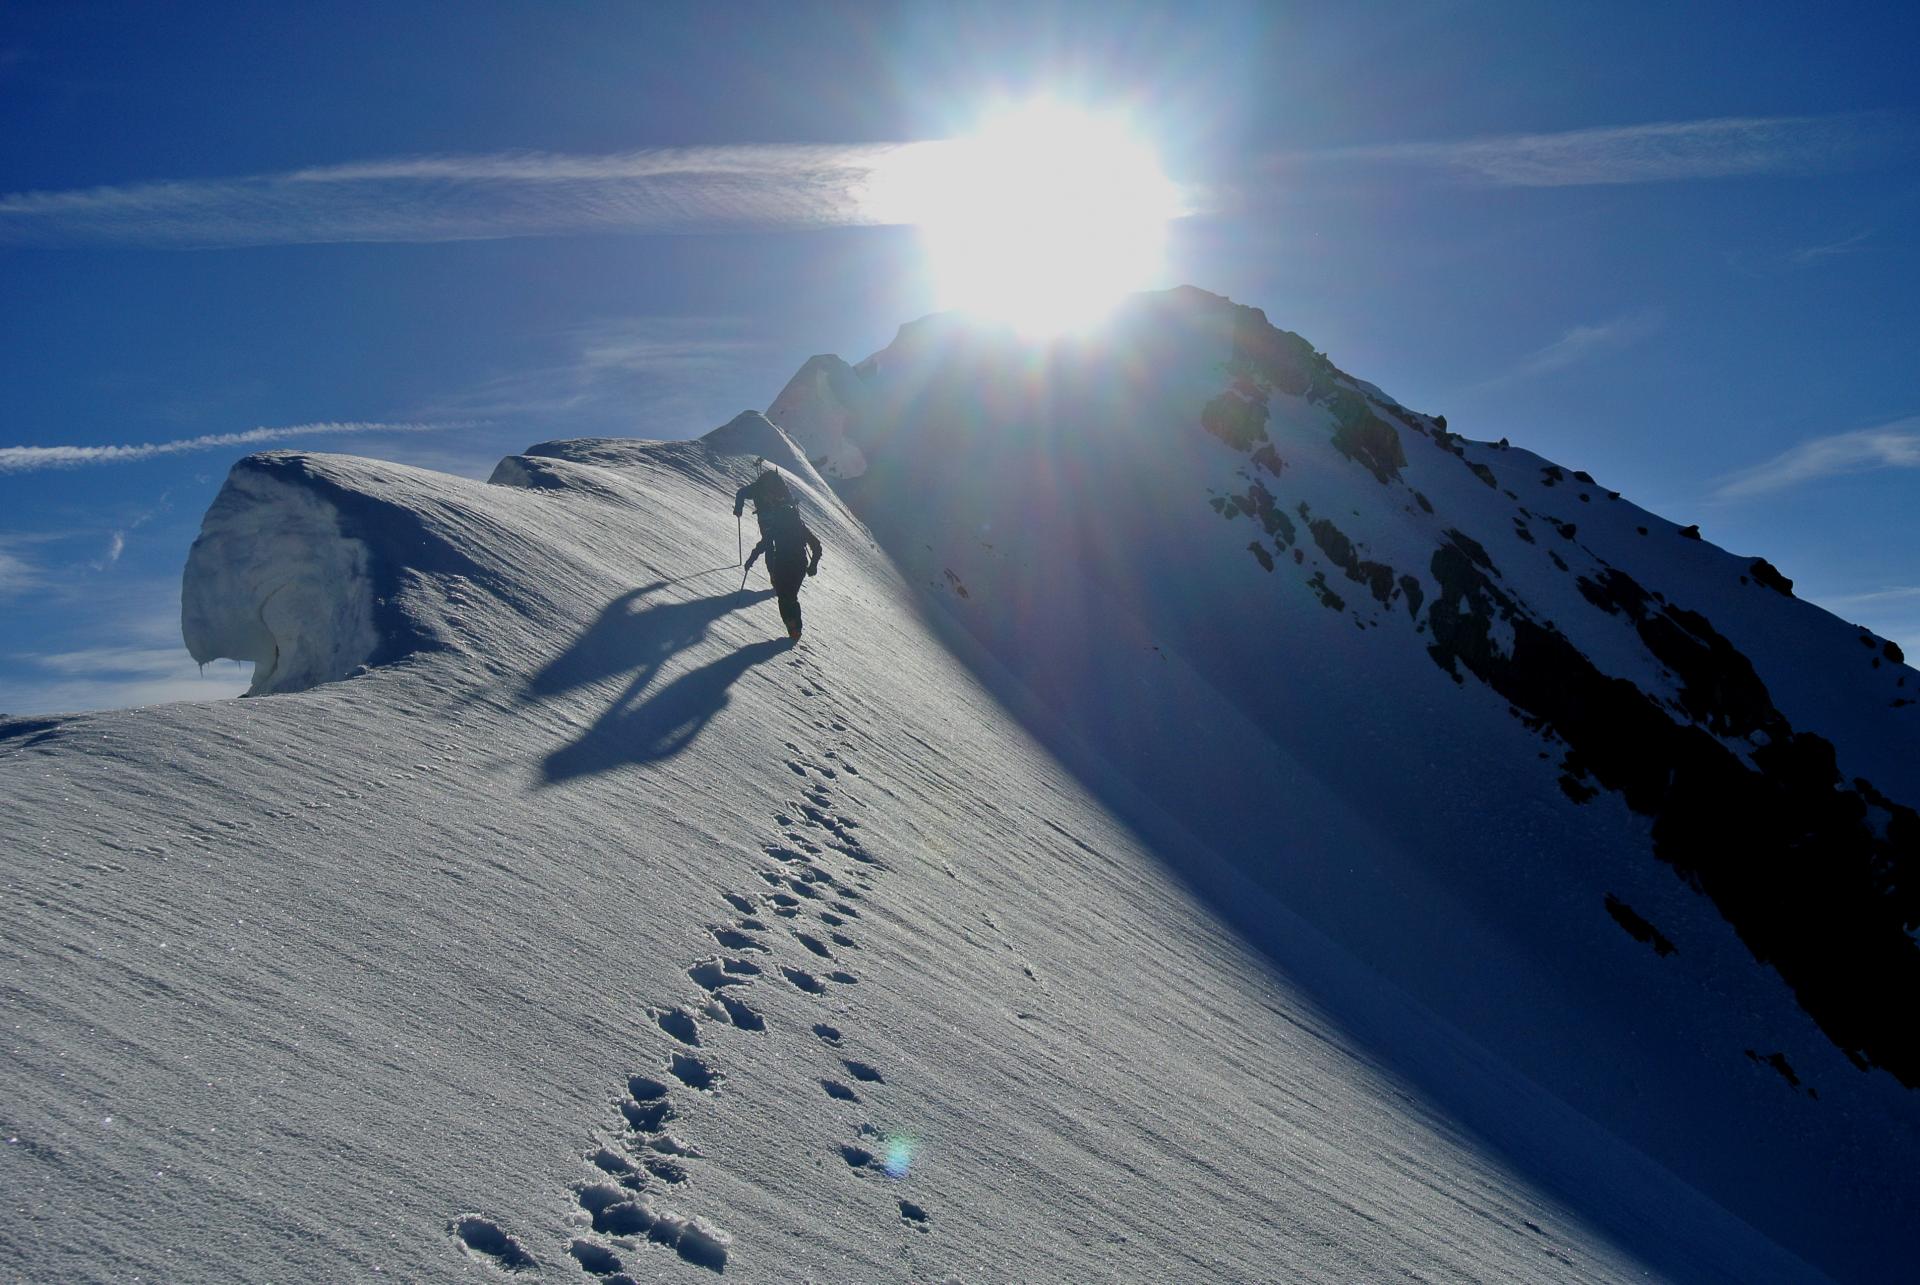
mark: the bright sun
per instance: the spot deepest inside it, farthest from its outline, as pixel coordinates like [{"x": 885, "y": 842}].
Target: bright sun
[{"x": 1043, "y": 218}]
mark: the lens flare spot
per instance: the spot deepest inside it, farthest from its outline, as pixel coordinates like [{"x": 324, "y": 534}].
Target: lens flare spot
[{"x": 898, "y": 1155}]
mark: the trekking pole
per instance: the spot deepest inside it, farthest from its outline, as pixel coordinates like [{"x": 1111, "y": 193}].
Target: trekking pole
[{"x": 739, "y": 543}]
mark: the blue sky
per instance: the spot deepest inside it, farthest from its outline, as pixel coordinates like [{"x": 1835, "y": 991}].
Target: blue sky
[{"x": 1672, "y": 245}]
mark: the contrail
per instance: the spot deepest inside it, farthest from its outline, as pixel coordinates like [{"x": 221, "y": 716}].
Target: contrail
[{"x": 28, "y": 459}]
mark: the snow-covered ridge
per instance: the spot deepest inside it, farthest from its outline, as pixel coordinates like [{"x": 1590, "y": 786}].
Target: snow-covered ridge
[
  {"x": 592, "y": 928},
  {"x": 306, "y": 567}
]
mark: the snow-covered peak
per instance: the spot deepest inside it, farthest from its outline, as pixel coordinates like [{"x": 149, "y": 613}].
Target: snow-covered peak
[{"x": 818, "y": 407}]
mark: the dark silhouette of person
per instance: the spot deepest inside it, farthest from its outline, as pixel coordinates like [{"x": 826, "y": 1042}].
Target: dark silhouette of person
[
  {"x": 769, "y": 491},
  {"x": 784, "y": 538}
]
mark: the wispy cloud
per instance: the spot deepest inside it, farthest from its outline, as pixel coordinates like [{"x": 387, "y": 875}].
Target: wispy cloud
[
  {"x": 114, "y": 678},
  {"x": 17, "y": 574},
  {"x": 456, "y": 198},
  {"x": 1807, "y": 256},
  {"x": 1894, "y": 445},
  {"x": 116, "y": 545},
  {"x": 28, "y": 459},
  {"x": 1668, "y": 151},
  {"x": 1895, "y": 597},
  {"x": 614, "y": 366},
  {"x": 111, "y": 651},
  {"x": 1578, "y": 345}
]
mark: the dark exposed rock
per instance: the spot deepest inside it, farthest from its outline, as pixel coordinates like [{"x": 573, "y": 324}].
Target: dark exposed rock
[
  {"x": 1690, "y": 532},
  {"x": 1472, "y": 548},
  {"x": 1769, "y": 575},
  {"x": 1893, "y": 653},
  {"x": 1778, "y": 1061},
  {"x": 1423, "y": 501},
  {"x": 1485, "y": 474},
  {"x": 1718, "y": 685},
  {"x": 1581, "y": 475},
  {"x": 1576, "y": 789},
  {"x": 1328, "y": 598},
  {"x": 1377, "y": 576},
  {"x": 1280, "y": 357},
  {"x": 1780, "y": 844},
  {"x": 1260, "y": 554},
  {"x": 1269, "y": 459},
  {"x": 1367, "y": 439},
  {"x": 1259, "y": 503},
  {"x": 1520, "y": 529},
  {"x": 1639, "y": 928},
  {"x": 1410, "y": 586},
  {"x": 1237, "y": 419}
]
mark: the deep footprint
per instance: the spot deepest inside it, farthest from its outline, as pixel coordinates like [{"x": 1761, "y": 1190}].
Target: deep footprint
[
  {"x": 711, "y": 974},
  {"x": 484, "y": 1236},
  {"x": 597, "y": 1259},
  {"x": 831, "y": 1034},
  {"x": 694, "y": 1072},
  {"x": 839, "y": 1091},
  {"x": 862, "y": 1071},
  {"x": 743, "y": 1016},
  {"x": 679, "y": 1023},
  {"x": 645, "y": 1088},
  {"x": 647, "y": 1117},
  {"x": 804, "y": 980},
  {"x": 733, "y": 939},
  {"x": 616, "y": 1213}
]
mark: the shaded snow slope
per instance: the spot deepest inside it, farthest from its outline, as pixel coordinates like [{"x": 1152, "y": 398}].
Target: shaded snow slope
[
  {"x": 593, "y": 931},
  {"x": 1635, "y": 818}
]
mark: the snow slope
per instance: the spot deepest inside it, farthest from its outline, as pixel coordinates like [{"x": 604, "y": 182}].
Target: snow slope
[
  {"x": 550, "y": 916},
  {"x": 1257, "y": 584}
]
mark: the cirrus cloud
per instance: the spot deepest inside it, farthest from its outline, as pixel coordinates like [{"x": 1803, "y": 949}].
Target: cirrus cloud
[
  {"x": 471, "y": 197},
  {"x": 1665, "y": 151},
  {"x": 1893, "y": 445}
]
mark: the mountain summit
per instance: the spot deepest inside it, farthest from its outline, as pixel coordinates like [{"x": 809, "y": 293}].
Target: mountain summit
[
  {"x": 1202, "y": 491},
  {"x": 1221, "y": 825}
]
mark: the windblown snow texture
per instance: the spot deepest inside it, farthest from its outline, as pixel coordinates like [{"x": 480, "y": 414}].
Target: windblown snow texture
[{"x": 1128, "y": 879}]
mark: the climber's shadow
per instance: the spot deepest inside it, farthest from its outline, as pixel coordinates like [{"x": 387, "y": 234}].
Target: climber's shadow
[{"x": 632, "y": 637}]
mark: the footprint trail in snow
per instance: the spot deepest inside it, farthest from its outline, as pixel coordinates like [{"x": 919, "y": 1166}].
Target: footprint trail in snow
[{"x": 811, "y": 907}]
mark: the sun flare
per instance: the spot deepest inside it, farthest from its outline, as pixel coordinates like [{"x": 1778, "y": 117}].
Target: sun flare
[{"x": 1043, "y": 218}]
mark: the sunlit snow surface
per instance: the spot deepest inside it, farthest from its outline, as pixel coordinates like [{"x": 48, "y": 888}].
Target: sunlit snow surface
[{"x": 590, "y": 926}]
